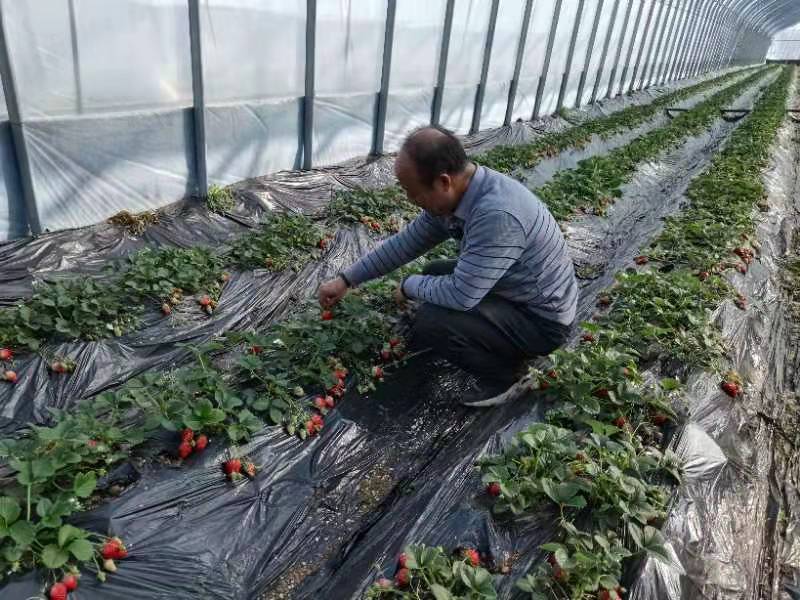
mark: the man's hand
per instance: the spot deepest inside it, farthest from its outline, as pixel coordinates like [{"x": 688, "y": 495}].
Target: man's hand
[{"x": 331, "y": 292}]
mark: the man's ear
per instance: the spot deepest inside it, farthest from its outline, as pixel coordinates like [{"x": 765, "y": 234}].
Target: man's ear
[{"x": 445, "y": 182}]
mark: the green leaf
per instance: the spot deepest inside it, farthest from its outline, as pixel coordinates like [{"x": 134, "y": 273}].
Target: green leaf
[
  {"x": 653, "y": 543},
  {"x": 85, "y": 484},
  {"x": 67, "y": 533},
  {"x": 54, "y": 557},
  {"x": 81, "y": 549},
  {"x": 9, "y": 510},
  {"x": 22, "y": 532},
  {"x": 440, "y": 593}
]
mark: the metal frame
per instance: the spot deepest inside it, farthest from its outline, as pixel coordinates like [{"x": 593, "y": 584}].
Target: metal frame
[
  {"x": 570, "y": 56},
  {"x": 625, "y": 22},
  {"x": 588, "y": 60},
  {"x": 523, "y": 39},
  {"x": 639, "y": 55},
  {"x": 308, "y": 98},
  {"x": 636, "y": 24},
  {"x": 441, "y": 75},
  {"x": 680, "y": 60},
  {"x": 19, "y": 142},
  {"x": 601, "y": 67},
  {"x": 715, "y": 39},
  {"x": 669, "y": 45},
  {"x": 700, "y": 40},
  {"x": 669, "y": 71},
  {"x": 551, "y": 38},
  {"x": 487, "y": 57},
  {"x": 386, "y": 68},
  {"x": 654, "y": 65},
  {"x": 656, "y": 31},
  {"x": 198, "y": 103},
  {"x": 76, "y": 64}
]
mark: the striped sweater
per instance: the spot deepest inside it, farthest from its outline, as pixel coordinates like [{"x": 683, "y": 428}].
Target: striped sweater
[{"x": 510, "y": 245}]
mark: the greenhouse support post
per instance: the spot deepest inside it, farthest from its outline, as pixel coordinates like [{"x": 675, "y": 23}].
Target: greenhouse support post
[
  {"x": 602, "y": 65},
  {"x": 624, "y": 32},
  {"x": 570, "y": 55},
  {"x": 699, "y": 42},
  {"x": 694, "y": 19},
  {"x": 715, "y": 41},
  {"x": 642, "y": 46},
  {"x": 199, "y": 103},
  {"x": 308, "y": 98},
  {"x": 76, "y": 63},
  {"x": 17, "y": 133},
  {"x": 386, "y": 68},
  {"x": 441, "y": 75},
  {"x": 589, "y": 48},
  {"x": 636, "y": 24},
  {"x": 523, "y": 38},
  {"x": 649, "y": 54},
  {"x": 487, "y": 57},
  {"x": 548, "y": 53}
]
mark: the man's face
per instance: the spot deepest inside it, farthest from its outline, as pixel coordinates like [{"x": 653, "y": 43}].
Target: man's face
[{"x": 438, "y": 199}]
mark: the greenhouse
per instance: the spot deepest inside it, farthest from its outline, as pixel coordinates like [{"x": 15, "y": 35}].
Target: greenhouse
[{"x": 399, "y": 299}]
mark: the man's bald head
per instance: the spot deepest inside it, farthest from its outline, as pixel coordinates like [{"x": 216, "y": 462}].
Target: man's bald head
[
  {"x": 433, "y": 170},
  {"x": 434, "y": 151}
]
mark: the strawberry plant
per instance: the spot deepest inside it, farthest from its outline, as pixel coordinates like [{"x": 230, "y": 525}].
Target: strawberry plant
[
  {"x": 380, "y": 210},
  {"x": 506, "y": 158},
  {"x": 284, "y": 241},
  {"x": 167, "y": 273},
  {"x": 425, "y": 573}
]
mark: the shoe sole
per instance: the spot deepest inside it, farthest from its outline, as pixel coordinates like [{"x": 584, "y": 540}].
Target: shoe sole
[{"x": 515, "y": 392}]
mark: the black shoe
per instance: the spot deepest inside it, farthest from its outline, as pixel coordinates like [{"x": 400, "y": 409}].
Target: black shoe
[{"x": 485, "y": 393}]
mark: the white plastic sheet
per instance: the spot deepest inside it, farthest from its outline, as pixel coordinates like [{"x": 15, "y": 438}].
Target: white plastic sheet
[
  {"x": 415, "y": 60},
  {"x": 637, "y": 43},
  {"x": 349, "y": 50},
  {"x": 501, "y": 67},
  {"x": 613, "y": 45},
  {"x": 603, "y": 31},
  {"x": 558, "y": 58},
  {"x": 535, "y": 47},
  {"x": 582, "y": 55},
  {"x": 785, "y": 45},
  {"x": 627, "y": 41},
  {"x": 464, "y": 61}
]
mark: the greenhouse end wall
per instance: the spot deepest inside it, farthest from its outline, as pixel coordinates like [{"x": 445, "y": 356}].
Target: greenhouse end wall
[{"x": 116, "y": 106}]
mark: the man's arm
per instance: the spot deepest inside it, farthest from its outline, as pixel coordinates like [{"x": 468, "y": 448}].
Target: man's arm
[
  {"x": 419, "y": 236},
  {"x": 495, "y": 241}
]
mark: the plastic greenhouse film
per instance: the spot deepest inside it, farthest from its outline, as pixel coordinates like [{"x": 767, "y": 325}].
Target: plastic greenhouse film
[{"x": 387, "y": 469}]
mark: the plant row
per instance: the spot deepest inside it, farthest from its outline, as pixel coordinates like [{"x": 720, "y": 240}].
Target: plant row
[
  {"x": 597, "y": 182},
  {"x": 526, "y": 156},
  {"x": 596, "y": 462}
]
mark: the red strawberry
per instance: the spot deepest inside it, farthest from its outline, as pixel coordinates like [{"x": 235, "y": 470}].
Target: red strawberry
[
  {"x": 402, "y": 578},
  {"x": 317, "y": 421},
  {"x": 377, "y": 372},
  {"x": 603, "y": 595},
  {"x": 703, "y": 275},
  {"x": 200, "y": 443},
  {"x": 401, "y": 560},
  {"x": 587, "y": 337},
  {"x": 375, "y": 226},
  {"x": 58, "y": 592},
  {"x": 319, "y": 402},
  {"x": 472, "y": 556},
  {"x": 337, "y": 390},
  {"x": 10, "y": 376},
  {"x": 620, "y": 422},
  {"x": 311, "y": 429},
  {"x": 233, "y": 465},
  {"x": 187, "y": 435},
  {"x": 58, "y": 367},
  {"x": 731, "y": 388},
  {"x": 70, "y": 581},
  {"x": 109, "y": 550},
  {"x": 6, "y": 354},
  {"x": 185, "y": 449},
  {"x": 544, "y": 384},
  {"x": 92, "y": 443},
  {"x": 322, "y": 243},
  {"x": 329, "y": 402},
  {"x": 384, "y": 584},
  {"x": 205, "y": 301},
  {"x": 250, "y": 470},
  {"x": 640, "y": 260},
  {"x": 659, "y": 419},
  {"x": 552, "y": 374},
  {"x": 256, "y": 349},
  {"x": 493, "y": 489},
  {"x": 122, "y": 553},
  {"x": 551, "y": 558},
  {"x": 600, "y": 393},
  {"x": 340, "y": 374},
  {"x": 326, "y": 315},
  {"x": 559, "y": 574},
  {"x": 386, "y": 355},
  {"x": 394, "y": 342},
  {"x": 166, "y": 309}
]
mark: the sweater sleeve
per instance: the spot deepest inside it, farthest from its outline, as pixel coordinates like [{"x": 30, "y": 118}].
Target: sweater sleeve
[
  {"x": 494, "y": 242},
  {"x": 419, "y": 236}
]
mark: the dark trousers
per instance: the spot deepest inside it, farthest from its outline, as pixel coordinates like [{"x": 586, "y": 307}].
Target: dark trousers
[{"x": 492, "y": 341}]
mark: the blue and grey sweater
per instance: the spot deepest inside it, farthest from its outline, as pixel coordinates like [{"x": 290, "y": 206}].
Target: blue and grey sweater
[{"x": 510, "y": 245}]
